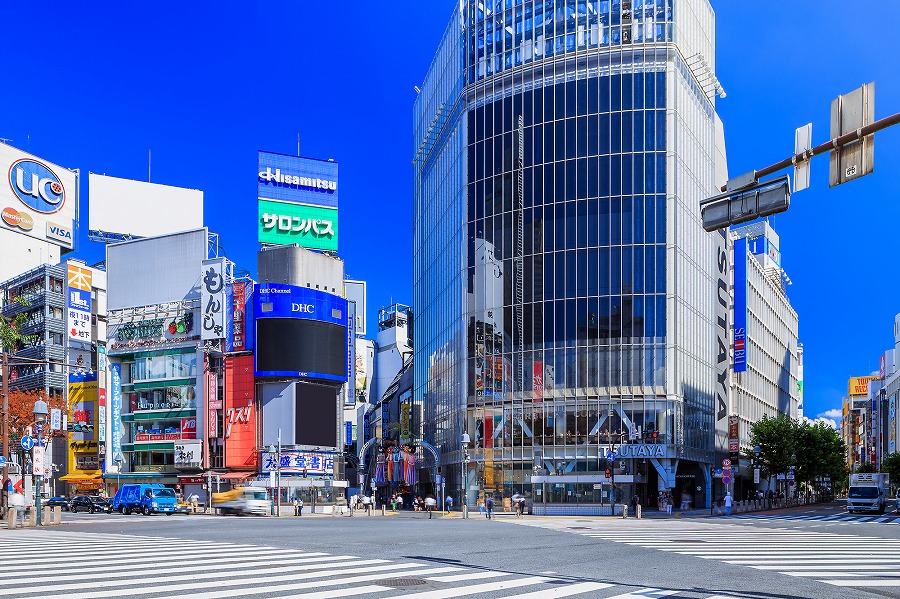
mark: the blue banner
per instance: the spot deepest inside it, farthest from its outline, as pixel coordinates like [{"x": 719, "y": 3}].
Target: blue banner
[
  {"x": 274, "y": 300},
  {"x": 349, "y": 426},
  {"x": 740, "y": 305},
  {"x": 116, "y": 409}
]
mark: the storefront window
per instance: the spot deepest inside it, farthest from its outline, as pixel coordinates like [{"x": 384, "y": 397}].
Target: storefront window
[
  {"x": 158, "y": 365},
  {"x": 165, "y": 398}
]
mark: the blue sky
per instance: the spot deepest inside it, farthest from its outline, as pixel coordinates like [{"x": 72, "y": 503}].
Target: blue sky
[{"x": 206, "y": 86}]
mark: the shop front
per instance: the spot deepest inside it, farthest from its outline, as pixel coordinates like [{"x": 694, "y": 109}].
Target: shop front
[{"x": 581, "y": 494}]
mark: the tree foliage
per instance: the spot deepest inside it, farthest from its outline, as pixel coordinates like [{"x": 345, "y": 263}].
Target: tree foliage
[
  {"x": 21, "y": 406},
  {"x": 815, "y": 450},
  {"x": 11, "y": 327},
  {"x": 891, "y": 465}
]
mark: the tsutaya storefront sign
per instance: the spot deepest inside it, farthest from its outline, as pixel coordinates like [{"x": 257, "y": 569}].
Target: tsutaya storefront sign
[{"x": 642, "y": 451}]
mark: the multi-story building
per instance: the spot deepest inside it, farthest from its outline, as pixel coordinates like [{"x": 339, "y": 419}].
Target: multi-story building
[
  {"x": 767, "y": 354},
  {"x": 858, "y": 419},
  {"x": 564, "y": 289}
]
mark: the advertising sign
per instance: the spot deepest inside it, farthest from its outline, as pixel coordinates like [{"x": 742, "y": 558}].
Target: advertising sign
[
  {"x": 37, "y": 198},
  {"x": 212, "y": 299},
  {"x": 299, "y": 462},
  {"x": 299, "y": 180},
  {"x": 83, "y": 446},
  {"x": 37, "y": 460},
  {"x": 892, "y": 424},
  {"x": 101, "y": 415},
  {"x": 79, "y": 302},
  {"x": 312, "y": 227},
  {"x": 188, "y": 454},
  {"x": 115, "y": 370},
  {"x": 734, "y": 435},
  {"x": 273, "y": 300},
  {"x": 859, "y": 385},
  {"x": 238, "y": 318},
  {"x": 149, "y": 333},
  {"x": 188, "y": 428},
  {"x": 740, "y": 305}
]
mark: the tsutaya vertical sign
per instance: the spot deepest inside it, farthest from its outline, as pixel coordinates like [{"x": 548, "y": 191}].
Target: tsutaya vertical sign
[
  {"x": 722, "y": 378},
  {"x": 212, "y": 299},
  {"x": 79, "y": 302}
]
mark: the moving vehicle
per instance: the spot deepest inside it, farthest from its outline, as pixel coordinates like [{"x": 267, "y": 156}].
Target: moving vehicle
[
  {"x": 62, "y": 502},
  {"x": 145, "y": 498},
  {"x": 868, "y": 492},
  {"x": 90, "y": 503},
  {"x": 242, "y": 500}
]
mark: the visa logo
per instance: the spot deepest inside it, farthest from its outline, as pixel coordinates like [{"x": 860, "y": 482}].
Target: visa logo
[{"x": 60, "y": 233}]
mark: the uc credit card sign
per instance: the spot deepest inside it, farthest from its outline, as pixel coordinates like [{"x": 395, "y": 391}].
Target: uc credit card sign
[{"x": 275, "y": 300}]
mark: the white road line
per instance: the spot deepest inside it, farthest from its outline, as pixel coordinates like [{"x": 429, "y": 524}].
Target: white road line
[
  {"x": 143, "y": 557},
  {"x": 863, "y": 583},
  {"x": 475, "y": 589},
  {"x": 565, "y": 591},
  {"x": 829, "y": 565},
  {"x": 471, "y": 576},
  {"x": 644, "y": 594},
  {"x": 366, "y": 590}
]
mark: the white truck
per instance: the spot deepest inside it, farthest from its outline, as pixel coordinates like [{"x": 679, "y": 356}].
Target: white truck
[
  {"x": 868, "y": 492},
  {"x": 242, "y": 500}
]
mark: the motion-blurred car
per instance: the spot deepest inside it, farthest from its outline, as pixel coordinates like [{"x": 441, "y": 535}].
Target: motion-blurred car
[
  {"x": 62, "y": 502},
  {"x": 90, "y": 503}
]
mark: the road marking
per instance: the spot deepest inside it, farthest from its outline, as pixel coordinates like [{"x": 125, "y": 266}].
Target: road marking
[
  {"x": 470, "y": 576},
  {"x": 567, "y": 591},
  {"x": 475, "y": 589},
  {"x": 644, "y": 594}
]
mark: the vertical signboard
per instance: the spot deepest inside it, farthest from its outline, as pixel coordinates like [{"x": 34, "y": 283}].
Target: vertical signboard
[
  {"x": 734, "y": 442},
  {"x": 721, "y": 379},
  {"x": 115, "y": 370},
  {"x": 79, "y": 302},
  {"x": 740, "y": 305},
  {"x": 212, "y": 299},
  {"x": 892, "y": 424},
  {"x": 238, "y": 318},
  {"x": 83, "y": 445},
  {"x": 212, "y": 399}
]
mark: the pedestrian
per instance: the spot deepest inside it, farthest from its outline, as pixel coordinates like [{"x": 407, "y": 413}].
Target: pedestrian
[
  {"x": 728, "y": 501},
  {"x": 448, "y": 503},
  {"x": 195, "y": 501},
  {"x": 296, "y": 505},
  {"x": 430, "y": 504},
  {"x": 17, "y": 501},
  {"x": 489, "y": 506},
  {"x": 668, "y": 502},
  {"x": 634, "y": 503},
  {"x": 299, "y": 507}
]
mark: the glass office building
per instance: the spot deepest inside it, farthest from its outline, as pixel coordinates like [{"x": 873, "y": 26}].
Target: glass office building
[{"x": 565, "y": 289}]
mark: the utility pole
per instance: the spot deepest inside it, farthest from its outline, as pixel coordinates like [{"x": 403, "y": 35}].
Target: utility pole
[{"x": 4, "y": 390}]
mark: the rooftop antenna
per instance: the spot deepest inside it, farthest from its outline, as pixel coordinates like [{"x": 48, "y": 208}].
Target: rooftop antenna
[
  {"x": 298, "y": 145},
  {"x": 149, "y": 156}
]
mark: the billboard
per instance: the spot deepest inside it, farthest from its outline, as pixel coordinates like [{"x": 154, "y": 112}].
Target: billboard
[
  {"x": 78, "y": 298},
  {"x": 305, "y": 414},
  {"x": 83, "y": 416},
  {"x": 740, "y": 305},
  {"x": 37, "y": 198},
  {"x": 298, "y": 201},
  {"x": 284, "y": 223},
  {"x": 141, "y": 209},
  {"x": 212, "y": 299},
  {"x": 240, "y": 413},
  {"x": 859, "y": 385},
  {"x": 300, "y": 332}
]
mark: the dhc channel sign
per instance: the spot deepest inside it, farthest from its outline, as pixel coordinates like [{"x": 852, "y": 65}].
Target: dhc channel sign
[{"x": 37, "y": 186}]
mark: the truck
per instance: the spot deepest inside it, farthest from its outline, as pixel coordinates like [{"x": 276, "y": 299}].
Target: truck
[
  {"x": 241, "y": 501},
  {"x": 144, "y": 498},
  {"x": 868, "y": 492}
]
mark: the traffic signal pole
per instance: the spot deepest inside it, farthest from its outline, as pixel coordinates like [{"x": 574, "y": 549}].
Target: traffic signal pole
[{"x": 4, "y": 390}]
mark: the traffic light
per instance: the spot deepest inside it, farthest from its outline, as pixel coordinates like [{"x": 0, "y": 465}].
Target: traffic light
[{"x": 609, "y": 473}]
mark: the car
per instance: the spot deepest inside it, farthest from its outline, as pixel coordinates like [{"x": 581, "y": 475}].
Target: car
[
  {"x": 62, "y": 502},
  {"x": 90, "y": 503}
]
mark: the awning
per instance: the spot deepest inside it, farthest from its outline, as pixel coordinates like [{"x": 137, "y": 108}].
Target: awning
[
  {"x": 234, "y": 476},
  {"x": 81, "y": 478},
  {"x": 114, "y": 475}
]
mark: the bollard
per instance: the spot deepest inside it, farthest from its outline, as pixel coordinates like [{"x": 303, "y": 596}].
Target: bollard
[
  {"x": 624, "y": 510},
  {"x": 11, "y": 518},
  {"x": 57, "y": 515},
  {"x": 382, "y": 509},
  {"x": 32, "y": 518},
  {"x": 638, "y": 512}
]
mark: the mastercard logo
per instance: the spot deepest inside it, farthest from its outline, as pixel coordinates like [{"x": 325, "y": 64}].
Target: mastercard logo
[{"x": 14, "y": 218}]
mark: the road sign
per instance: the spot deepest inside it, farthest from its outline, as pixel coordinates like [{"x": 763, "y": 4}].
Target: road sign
[
  {"x": 2, "y": 460},
  {"x": 27, "y": 443},
  {"x": 37, "y": 460},
  {"x": 849, "y": 113},
  {"x": 802, "y": 144},
  {"x": 756, "y": 476},
  {"x": 726, "y": 480},
  {"x": 746, "y": 203},
  {"x": 610, "y": 456},
  {"x": 726, "y": 463}
]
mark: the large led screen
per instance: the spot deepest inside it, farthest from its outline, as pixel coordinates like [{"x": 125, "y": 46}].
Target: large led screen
[
  {"x": 301, "y": 348},
  {"x": 316, "y": 415}
]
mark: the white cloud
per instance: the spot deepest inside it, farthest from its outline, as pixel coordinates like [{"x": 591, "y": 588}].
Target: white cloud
[
  {"x": 822, "y": 420},
  {"x": 834, "y": 414}
]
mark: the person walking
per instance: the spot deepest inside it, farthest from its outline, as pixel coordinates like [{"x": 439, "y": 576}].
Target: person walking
[
  {"x": 728, "y": 501},
  {"x": 448, "y": 503},
  {"x": 430, "y": 504},
  {"x": 489, "y": 506},
  {"x": 296, "y": 503},
  {"x": 299, "y": 507},
  {"x": 668, "y": 501},
  {"x": 634, "y": 503},
  {"x": 17, "y": 502}
]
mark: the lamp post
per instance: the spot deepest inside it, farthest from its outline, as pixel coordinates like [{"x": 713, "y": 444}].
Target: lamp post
[
  {"x": 119, "y": 463},
  {"x": 465, "y": 475},
  {"x": 40, "y": 414}
]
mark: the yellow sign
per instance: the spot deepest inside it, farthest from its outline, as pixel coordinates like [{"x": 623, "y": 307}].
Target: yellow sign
[
  {"x": 79, "y": 278},
  {"x": 859, "y": 385},
  {"x": 84, "y": 460}
]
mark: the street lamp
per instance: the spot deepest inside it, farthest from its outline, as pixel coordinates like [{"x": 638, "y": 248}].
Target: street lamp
[
  {"x": 40, "y": 412},
  {"x": 465, "y": 475},
  {"x": 119, "y": 463}
]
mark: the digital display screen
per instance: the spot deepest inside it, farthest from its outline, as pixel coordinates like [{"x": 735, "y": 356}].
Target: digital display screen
[
  {"x": 317, "y": 415},
  {"x": 299, "y": 347}
]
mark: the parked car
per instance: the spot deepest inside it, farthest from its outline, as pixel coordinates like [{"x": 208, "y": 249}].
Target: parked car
[
  {"x": 90, "y": 503},
  {"x": 63, "y": 502}
]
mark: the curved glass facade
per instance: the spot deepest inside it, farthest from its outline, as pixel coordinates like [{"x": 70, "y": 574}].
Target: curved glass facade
[{"x": 563, "y": 284}]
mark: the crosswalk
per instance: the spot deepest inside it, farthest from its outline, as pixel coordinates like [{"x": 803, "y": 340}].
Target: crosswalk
[
  {"x": 842, "y": 518},
  {"x": 67, "y": 565},
  {"x": 841, "y": 560}
]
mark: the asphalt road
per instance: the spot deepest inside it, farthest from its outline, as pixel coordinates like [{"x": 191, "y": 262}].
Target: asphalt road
[{"x": 410, "y": 556}]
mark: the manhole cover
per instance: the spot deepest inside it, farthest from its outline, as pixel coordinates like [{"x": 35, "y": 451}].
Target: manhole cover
[
  {"x": 687, "y": 541},
  {"x": 401, "y": 582}
]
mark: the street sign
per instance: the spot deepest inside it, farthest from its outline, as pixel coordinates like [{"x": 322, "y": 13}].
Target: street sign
[
  {"x": 802, "y": 144},
  {"x": 756, "y": 476},
  {"x": 746, "y": 203},
  {"x": 849, "y": 113},
  {"x": 726, "y": 479},
  {"x": 726, "y": 463},
  {"x": 27, "y": 443},
  {"x": 37, "y": 460},
  {"x": 610, "y": 456},
  {"x": 718, "y": 472},
  {"x": 2, "y": 460}
]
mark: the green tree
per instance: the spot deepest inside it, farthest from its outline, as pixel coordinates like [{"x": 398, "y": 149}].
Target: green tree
[
  {"x": 776, "y": 439},
  {"x": 865, "y": 467},
  {"x": 11, "y": 326},
  {"x": 891, "y": 465}
]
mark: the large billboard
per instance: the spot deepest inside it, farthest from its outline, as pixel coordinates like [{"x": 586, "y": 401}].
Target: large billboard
[
  {"x": 83, "y": 417},
  {"x": 859, "y": 385},
  {"x": 311, "y": 227},
  {"x": 79, "y": 303},
  {"x": 740, "y": 304},
  {"x": 38, "y": 198},
  {"x": 302, "y": 195},
  {"x": 141, "y": 209},
  {"x": 300, "y": 332}
]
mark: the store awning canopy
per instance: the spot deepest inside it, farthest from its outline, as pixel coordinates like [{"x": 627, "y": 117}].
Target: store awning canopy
[
  {"x": 114, "y": 476},
  {"x": 81, "y": 478},
  {"x": 234, "y": 477}
]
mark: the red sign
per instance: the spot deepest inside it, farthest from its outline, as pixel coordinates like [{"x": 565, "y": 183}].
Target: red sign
[
  {"x": 101, "y": 397},
  {"x": 192, "y": 480},
  {"x": 188, "y": 428},
  {"x": 239, "y": 325},
  {"x": 158, "y": 437},
  {"x": 538, "y": 381},
  {"x": 212, "y": 389},
  {"x": 240, "y": 414},
  {"x": 142, "y": 437},
  {"x": 213, "y": 424},
  {"x": 215, "y": 405},
  {"x": 172, "y": 436}
]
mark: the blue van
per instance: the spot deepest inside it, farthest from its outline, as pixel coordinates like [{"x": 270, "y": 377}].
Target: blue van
[{"x": 145, "y": 498}]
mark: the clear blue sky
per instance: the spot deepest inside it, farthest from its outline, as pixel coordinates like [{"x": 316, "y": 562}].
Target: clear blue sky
[{"x": 205, "y": 88}]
